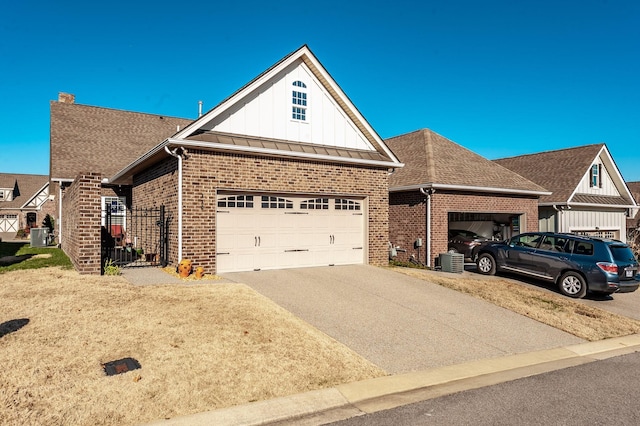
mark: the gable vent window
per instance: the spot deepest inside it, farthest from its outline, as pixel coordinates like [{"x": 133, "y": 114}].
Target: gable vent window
[
  {"x": 239, "y": 201},
  {"x": 299, "y": 100},
  {"x": 276, "y": 203},
  {"x": 342, "y": 204},
  {"x": 595, "y": 180},
  {"x": 315, "y": 204}
]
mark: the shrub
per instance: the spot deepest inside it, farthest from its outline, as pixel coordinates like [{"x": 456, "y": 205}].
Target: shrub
[
  {"x": 110, "y": 268},
  {"x": 48, "y": 222}
]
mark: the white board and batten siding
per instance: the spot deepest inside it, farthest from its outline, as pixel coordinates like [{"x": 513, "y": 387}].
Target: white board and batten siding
[
  {"x": 267, "y": 231},
  {"x": 607, "y": 186},
  {"x": 595, "y": 223},
  {"x": 267, "y": 113}
]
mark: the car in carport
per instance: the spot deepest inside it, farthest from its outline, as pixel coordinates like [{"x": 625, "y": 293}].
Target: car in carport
[
  {"x": 576, "y": 263},
  {"x": 464, "y": 242}
]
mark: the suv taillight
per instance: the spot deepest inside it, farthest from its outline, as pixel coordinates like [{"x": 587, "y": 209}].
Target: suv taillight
[{"x": 611, "y": 268}]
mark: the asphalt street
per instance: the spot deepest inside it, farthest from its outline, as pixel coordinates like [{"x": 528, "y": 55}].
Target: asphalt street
[{"x": 603, "y": 392}]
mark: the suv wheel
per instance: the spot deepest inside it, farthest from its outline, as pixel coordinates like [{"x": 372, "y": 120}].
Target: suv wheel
[
  {"x": 486, "y": 264},
  {"x": 573, "y": 285}
]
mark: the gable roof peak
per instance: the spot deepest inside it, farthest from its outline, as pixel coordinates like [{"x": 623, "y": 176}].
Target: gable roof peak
[
  {"x": 433, "y": 160},
  {"x": 559, "y": 151}
]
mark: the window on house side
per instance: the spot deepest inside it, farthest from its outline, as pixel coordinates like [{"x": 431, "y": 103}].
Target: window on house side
[
  {"x": 299, "y": 101},
  {"x": 595, "y": 181}
]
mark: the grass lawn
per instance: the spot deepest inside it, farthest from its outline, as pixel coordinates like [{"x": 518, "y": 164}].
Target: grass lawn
[
  {"x": 20, "y": 256},
  {"x": 200, "y": 346}
]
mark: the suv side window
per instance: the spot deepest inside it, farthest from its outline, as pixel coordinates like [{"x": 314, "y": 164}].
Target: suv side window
[
  {"x": 554, "y": 243},
  {"x": 583, "y": 248},
  {"x": 525, "y": 240}
]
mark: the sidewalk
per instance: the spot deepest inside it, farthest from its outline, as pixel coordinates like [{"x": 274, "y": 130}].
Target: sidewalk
[{"x": 354, "y": 399}]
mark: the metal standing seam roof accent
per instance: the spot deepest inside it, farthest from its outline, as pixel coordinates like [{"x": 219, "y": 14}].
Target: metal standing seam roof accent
[
  {"x": 218, "y": 138},
  {"x": 431, "y": 159},
  {"x": 599, "y": 199}
]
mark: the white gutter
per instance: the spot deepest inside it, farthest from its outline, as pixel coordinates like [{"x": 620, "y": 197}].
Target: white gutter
[
  {"x": 60, "y": 210},
  {"x": 140, "y": 160},
  {"x": 612, "y": 206},
  {"x": 60, "y": 182},
  {"x": 445, "y": 187},
  {"x": 428, "y": 194},
  {"x": 175, "y": 154}
]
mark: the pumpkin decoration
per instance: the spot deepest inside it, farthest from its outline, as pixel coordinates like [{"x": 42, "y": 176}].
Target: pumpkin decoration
[
  {"x": 185, "y": 267},
  {"x": 199, "y": 272}
]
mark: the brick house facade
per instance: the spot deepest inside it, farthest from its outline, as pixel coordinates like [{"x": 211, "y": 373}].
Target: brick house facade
[
  {"x": 290, "y": 137},
  {"x": 234, "y": 172},
  {"x": 407, "y": 217},
  {"x": 445, "y": 186}
]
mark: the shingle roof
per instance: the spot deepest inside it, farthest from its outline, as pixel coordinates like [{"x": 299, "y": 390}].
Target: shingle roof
[
  {"x": 93, "y": 139},
  {"x": 634, "y": 187},
  {"x": 559, "y": 171},
  {"x": 433, "y": 159},
  {"x": 27, "y": 187}
]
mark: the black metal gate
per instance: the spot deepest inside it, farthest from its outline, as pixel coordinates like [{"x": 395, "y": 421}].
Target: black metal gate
[{"x": 137, "y": 237}]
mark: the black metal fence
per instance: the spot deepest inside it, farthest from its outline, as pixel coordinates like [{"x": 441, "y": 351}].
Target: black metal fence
[{"x": 136, "y": 237}]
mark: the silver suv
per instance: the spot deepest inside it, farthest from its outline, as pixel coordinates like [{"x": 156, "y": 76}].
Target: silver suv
[{"x": 575, "y": 263}]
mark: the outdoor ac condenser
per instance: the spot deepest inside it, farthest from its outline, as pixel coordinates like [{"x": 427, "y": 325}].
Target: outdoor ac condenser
[
  {"x": 39, "y": 237},
  {"x": 452, "y": 262}
]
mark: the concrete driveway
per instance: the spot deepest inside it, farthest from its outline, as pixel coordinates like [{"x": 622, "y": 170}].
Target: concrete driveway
[{"x": 401, "y": 323}]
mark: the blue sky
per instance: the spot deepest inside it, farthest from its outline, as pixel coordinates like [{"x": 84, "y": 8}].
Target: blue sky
[{"x": 501, "y": 78}]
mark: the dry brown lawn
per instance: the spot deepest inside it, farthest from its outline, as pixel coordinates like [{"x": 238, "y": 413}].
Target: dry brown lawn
[
  {"x": 561, "y": 312},
  {"x": 201, "y": 347}
]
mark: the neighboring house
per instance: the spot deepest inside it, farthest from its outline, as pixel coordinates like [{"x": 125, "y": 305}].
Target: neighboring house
[
  {"x": 24, "y": 203},
  {"x": 444, "y": 186},
  {"x": 589, "y": 195},
  {"x": 633, "y": 221},
  {"x": 284, "y": 173},
  {"x": 100, "y": 140}
]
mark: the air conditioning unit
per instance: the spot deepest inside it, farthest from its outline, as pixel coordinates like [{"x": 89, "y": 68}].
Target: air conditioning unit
[
  {"x": 39, "y": 237},
  {"x": 452, "y": 262}
]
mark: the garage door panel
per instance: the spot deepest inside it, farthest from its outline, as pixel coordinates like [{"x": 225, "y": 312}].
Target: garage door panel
[{"x": 288, "y": 232}]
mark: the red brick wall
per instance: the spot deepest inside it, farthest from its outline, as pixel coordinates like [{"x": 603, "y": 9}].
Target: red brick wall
[
  {"x": 204, "y": 173},
  {"x": 407, "y": 217},
  {"x": 159, "y": 186},
  {"x": 81, "y": 209}
]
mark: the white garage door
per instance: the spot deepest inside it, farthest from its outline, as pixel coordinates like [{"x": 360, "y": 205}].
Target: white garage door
[
  {"x": 8, "y": 223},
  {"x": 258, "y": 231}
]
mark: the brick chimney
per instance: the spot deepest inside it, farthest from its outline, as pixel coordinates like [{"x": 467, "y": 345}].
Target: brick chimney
[{"x": 66, "y": 98}]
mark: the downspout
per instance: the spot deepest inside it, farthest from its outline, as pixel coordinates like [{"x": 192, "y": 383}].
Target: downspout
[
  {"x": 428, "y": 194},
  {"x": 60, "y": 217},
  {"x": 175, "y": 154},
  {"x": 560, "y": 220}
]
